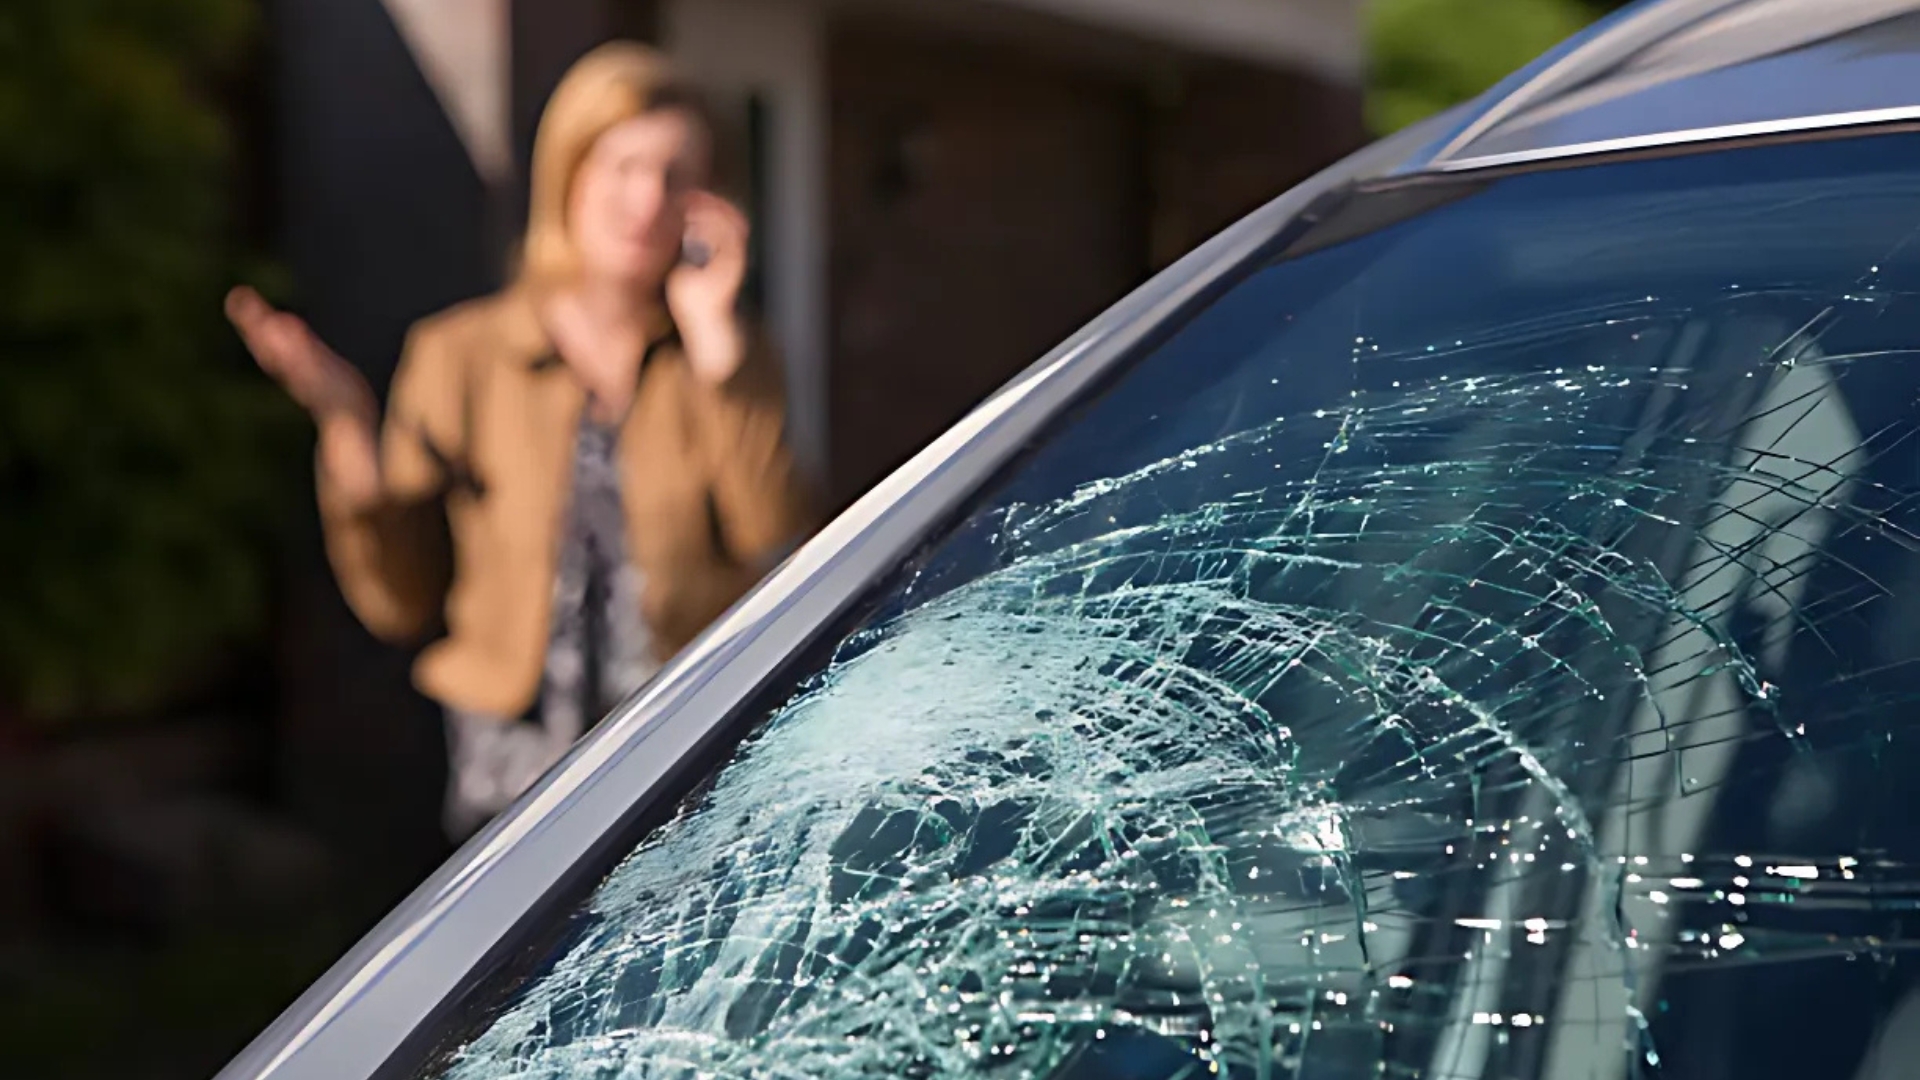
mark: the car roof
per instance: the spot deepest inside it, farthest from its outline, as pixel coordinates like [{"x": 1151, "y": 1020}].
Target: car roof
[{"x": 1668, "y": 72}]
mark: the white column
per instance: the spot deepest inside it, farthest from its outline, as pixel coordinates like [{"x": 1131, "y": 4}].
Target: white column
[
  {"x": 777, "y": 49},
  {"x": 462, "y": 48}
]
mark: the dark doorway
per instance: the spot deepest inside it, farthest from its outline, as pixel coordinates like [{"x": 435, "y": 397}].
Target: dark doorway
[{"x": 983, "y": 206}]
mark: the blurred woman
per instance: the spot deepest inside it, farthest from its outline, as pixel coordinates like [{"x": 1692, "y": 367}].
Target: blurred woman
[{"x": 601, "y": 442}]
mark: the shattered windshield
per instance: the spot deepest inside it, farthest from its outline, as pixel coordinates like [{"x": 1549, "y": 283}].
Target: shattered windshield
[{"x": 1483, "y": 647}]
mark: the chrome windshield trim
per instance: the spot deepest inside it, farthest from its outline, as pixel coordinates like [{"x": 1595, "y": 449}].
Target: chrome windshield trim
[
  {"x": 1605, "y": 41},
  {"x": 357, "y": 1016},
  {"x": 1590, "y": 59},
  {"x": 1756, "y": 129}
]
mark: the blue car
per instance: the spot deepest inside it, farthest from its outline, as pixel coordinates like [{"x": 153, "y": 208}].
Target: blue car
[{"x": 1462, "y": 621}]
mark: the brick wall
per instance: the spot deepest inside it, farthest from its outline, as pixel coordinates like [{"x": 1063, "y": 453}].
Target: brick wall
[{"x": 988, "y": 199}]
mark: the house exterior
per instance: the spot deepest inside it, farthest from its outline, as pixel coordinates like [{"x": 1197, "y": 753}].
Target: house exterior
[
  {"x": 951, "y": 186},
  {"x": 915, "y": 163},
  {"x": 942, "y": 190}
]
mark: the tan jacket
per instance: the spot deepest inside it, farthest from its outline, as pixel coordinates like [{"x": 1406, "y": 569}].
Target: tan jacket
[{"x": 477, "y": 452}]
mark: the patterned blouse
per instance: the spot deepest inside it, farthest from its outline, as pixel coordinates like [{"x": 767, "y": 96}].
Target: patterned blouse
[{"x": 600, "y": 650}]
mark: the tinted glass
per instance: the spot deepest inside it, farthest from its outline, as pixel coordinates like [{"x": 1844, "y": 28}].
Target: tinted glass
[{"x": 1485, "y": 647}]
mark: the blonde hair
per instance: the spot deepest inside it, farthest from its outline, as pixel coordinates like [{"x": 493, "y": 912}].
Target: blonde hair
[{"x": 609, "y": 85}]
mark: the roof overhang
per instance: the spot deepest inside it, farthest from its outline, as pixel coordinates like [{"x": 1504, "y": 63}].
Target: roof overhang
[{"x": 1324, "y": 37}]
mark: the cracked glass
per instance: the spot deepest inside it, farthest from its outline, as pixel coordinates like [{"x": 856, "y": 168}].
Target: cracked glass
[{"x": 1481, "y": 647}]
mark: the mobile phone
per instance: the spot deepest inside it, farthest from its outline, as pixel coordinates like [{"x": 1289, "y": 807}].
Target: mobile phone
[{"x": 694, "y": 253}]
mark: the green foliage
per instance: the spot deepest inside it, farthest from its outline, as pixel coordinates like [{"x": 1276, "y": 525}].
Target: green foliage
[
  {"x": 138, "y": 454},
  {"x": 189, "y": 1005},
  {"x": 1429, "y": 55}
]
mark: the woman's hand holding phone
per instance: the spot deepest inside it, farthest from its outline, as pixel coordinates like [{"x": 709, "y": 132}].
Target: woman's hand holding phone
[{"x": 703, "y": 289}]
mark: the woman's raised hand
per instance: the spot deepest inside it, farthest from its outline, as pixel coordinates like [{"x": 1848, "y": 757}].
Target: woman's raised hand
[
  {"x": 330, "y": 389},
  {"x": 287, "y": 349}
]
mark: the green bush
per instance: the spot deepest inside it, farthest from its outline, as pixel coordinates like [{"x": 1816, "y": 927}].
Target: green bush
[
  {"x": 1429, "y": 55},
  {"x": 139, "y": 456}
]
